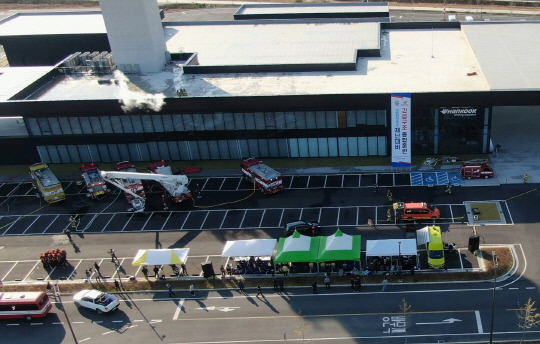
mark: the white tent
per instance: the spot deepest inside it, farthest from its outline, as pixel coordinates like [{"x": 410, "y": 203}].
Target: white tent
[
  {"x": 161, "y": 257},
  {"x": 391, "y": 247},
  {"x": 245, "y": 248},
  {"x": 422, "y": 236}
]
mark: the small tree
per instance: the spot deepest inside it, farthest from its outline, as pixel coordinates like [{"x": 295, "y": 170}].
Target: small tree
[
  {"x": 405, "y": 309},
  {"x": 527, "y": 317}
]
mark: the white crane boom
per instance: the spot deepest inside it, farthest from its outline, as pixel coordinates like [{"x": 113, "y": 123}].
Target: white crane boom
[{"x": 176, "y": 185}]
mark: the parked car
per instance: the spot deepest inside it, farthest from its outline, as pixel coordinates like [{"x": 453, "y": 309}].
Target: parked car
[
  {"x": 416, "y": 211},
  {"x": 96, "y": 300},
  {"x": 310, "y": 228}
]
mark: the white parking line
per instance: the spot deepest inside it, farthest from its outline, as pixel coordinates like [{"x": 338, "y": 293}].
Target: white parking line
[
  {"x": 85, "y": 339},
  {"x": 124, "y": 225},
  {"x": 164, "y": 223},
  {"x": 50, "y": 224},
  {"x": 262, "y": 217},
  {"x": 112, "y": 217},
  {"x": 223, "y": 182},
  {"x": 183, "y": 223},
  {"x": 319, "y": 217},
  {"x": 479, "y": 322},
  {"x": 30, "y": 225},
  {"x": 451, "y": 214},
  {"x": 224, "y": 217},
  {"x": 148, "y": 219},
  {"x": 49, "y": 274},
  {"x": 179, "y": 307},
  {"x": 325, "y": 180},
  {"x": 206, "y": 216},
  {"x": 35, "y": 324},
  {"x": 357, "y": 211},
  {"x": 239, "y": 183},
  {"x": 337, "y": 217},
  {"x": 342, "y": 180},
  {"x": 13, "y": 190},
  {"x": 301, "y": 212},
  {"x": 290, "y": 184},
  {"x": 281, "y": 217},
  {"x": 28, "y": 274},
  {"x": 243, "y": 218},
  {"x": 75, "y": 269},
  {"x": 307, "y": 184}
]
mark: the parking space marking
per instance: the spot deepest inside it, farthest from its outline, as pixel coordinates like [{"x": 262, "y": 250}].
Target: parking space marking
[
  {"x": 50, "y": 224},
  {"x": 112, "y": 217},
  {"x": 179, "y": 307},
  {"x": 224, "y": 217},
  {"x": 30, "y": 225},
  {"x": 75, "y": 269},
  {"x": 167, "y": 220},
  {"x": 183, "y": 223},
  {"x": 12, "y": 224},
  {"x": 451, "y": 213},
  {"x": 13, "y": 190},
  {"x": 342, "y": 180},
  {"x": 337, "y": 217},
  {"x": 49, "y": 274},
  {"x": 28, "y": 274},
  {"x": 4, "y": 278},
  {"x": 290, "y": 184},
  {"x": 239, "y": 182},
  {"x": 124, "y": 225},
  {"x": 148, "y": 219},
  {"x": 325, "y": 180},
  {"x": 223, "y": 182},
  {"x": 281, "y": 217},
  {"x": 262, "y": 217},
  {"x": 204, "y": 220}
]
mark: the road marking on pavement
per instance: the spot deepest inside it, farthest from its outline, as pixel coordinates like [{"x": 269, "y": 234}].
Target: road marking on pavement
[
  {"x": 513, "y": 288},
  {"x": 445, "y": 321},
  {"x": 34, "y": 324},
  {"x": 28, "y": 274},
  {"x": 214, "y": 308},
  {"x": 154, "y": 321},
  {"x": 98, "y": 322},
  {"x": 118, "y": 321},
  {"x": 78, "y": 322},
  {"x": 138, "y": 320},
  {"x": 178, "y": 309},
  {"x": 104, "y": 333},
  {"x": 131, "y": 326},
  {"x": 58, "y": 323},
  {"x": 530, "y": 288},
  {"x": 85, "y": 339},
  {"x": 479, "y": 322},
  {"x": 13, "y": 324}
]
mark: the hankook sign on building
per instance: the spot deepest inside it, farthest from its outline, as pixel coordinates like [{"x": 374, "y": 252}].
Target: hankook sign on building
[
  {"x": 401, "y": 129},
  {"x": 459, "y": 111}
]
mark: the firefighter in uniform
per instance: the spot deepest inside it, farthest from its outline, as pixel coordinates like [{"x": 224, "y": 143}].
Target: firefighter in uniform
[
  {"x": 73, "y": 221},
  {"x": 389, "y": 195},
  {"x": 448, "y": 189},
  {"x": 389, "y": 215}
]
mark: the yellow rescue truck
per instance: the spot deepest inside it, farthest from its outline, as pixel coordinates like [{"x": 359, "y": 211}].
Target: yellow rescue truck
[
  {"x": 435, "y": 248},
  {"x": 46, "y": 183}
]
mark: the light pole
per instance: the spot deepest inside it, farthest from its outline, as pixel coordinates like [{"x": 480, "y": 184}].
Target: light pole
[
  {"x": 495, "y": 266},
  {"x": 399, "y": 257},
  {"x": 57, "y": 295}
]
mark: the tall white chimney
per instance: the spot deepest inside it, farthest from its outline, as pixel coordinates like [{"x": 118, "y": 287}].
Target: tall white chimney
[{"x": 135, "y": 34}]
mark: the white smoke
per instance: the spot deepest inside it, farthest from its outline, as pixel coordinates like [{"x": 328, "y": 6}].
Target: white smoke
[{"x": 131, "y": 100}]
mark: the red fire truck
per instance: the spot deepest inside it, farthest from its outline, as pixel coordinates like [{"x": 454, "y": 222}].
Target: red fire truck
[
  {"x": 263, "y": 176},
  {"x": 476, "y": 169},
  {"x": 94, "y": 183}
]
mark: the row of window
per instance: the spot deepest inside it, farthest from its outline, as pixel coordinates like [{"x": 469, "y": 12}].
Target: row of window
[
  {"x": 218, "y": 149},
  {"x": 199, "y": 122}
]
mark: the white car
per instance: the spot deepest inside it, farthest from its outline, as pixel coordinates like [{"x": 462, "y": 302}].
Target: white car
[{"x": 96, "y": 300}]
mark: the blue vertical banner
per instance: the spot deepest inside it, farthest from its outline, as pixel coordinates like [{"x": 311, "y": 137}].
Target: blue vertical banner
[{"x": 401, "y": 129}]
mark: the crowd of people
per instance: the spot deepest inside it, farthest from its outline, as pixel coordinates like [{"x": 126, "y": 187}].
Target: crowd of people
[
  {"x": 53, "y": 258},
  {"x": 391, "y": 264}
]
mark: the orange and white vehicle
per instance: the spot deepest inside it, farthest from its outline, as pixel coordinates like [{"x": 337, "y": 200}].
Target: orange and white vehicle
[
  {"x": 24, "y": 305},
  {"x": 174, "y": 185},
  {"x": 263, "y": 176},
  {"x": 472, "y": 169},
  {"x": 135, "y": 194},
  {"x": 416, "y": 211},
  {"x": 94, "y": 183}
]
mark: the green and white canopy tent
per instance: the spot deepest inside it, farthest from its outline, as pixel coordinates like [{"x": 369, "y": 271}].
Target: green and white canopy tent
[
  {"x": 161, "y": 257},
  {"x": 297, "y": 248},
  {"x": 339, "y": 246}
]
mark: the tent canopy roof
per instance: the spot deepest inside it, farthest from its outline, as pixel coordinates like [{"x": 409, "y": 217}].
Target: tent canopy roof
[
  {"x": 161, "y": 257},
  {"x": 254, "y": 247},
  {"x": 297, "y": 248},
  {"x": 339, "y": 246},
  {"x": 391, "y": 247}
]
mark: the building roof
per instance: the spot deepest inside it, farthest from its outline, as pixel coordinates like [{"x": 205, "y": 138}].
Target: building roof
[
  {"x": 334, "y": 8},
  {"x": 52, "y": 23},
  {"x": 508, "y": 53},
  {"x": 273, "y": 43},
  {"x": 15, "y": 79}
]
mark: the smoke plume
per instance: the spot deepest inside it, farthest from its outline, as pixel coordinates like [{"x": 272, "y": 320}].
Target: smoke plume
[{"x": 131, "y": 100}]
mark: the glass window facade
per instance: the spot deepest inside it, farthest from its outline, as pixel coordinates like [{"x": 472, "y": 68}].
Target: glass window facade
[{"x": 219, "y": 135}]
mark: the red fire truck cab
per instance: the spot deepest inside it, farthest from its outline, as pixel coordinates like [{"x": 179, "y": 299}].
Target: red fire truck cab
[
  {"x": 476, "y": 170},
  {"x": 263, "y": 176},
  {"x": 94, "y": 182}
]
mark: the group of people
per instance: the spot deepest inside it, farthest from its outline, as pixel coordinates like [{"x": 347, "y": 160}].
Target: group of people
[
  {"x": 391, "y": 264},
  {"x": 53, "y": 258},
  {"x": 251, "y": 266}
]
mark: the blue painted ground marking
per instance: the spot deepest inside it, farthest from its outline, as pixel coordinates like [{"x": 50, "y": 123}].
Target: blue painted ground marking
[
  {"x": 416, "y": 179},
  {"x": 429, "y": 178}
]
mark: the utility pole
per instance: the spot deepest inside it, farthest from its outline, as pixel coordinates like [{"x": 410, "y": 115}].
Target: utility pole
[
  {"x": 495, "y": 266},
  {"x": 57, "y": 295}
]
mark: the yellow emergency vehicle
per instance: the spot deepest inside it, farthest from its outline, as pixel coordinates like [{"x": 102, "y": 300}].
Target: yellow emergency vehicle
[
  {"x": 46, "y": 183},
  {"x": 435, "y": 248}
]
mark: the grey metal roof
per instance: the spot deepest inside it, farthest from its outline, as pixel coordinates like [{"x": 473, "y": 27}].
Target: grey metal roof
[
  {"x": 314, "y": 8},
  {"x": 53, "y": 23},
  {"x": 508, "y": 53},
  {"x": 273, "y": 43}
]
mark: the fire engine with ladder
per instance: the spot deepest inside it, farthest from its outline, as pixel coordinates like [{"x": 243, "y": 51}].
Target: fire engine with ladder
[
  {"x": 176, "y": 192},
  {"x": 264, "y": 177},
  {"x": 175, "y": 186},
  {"x": 134, "y": 185},
  {"x": 95, "y": 185}
]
